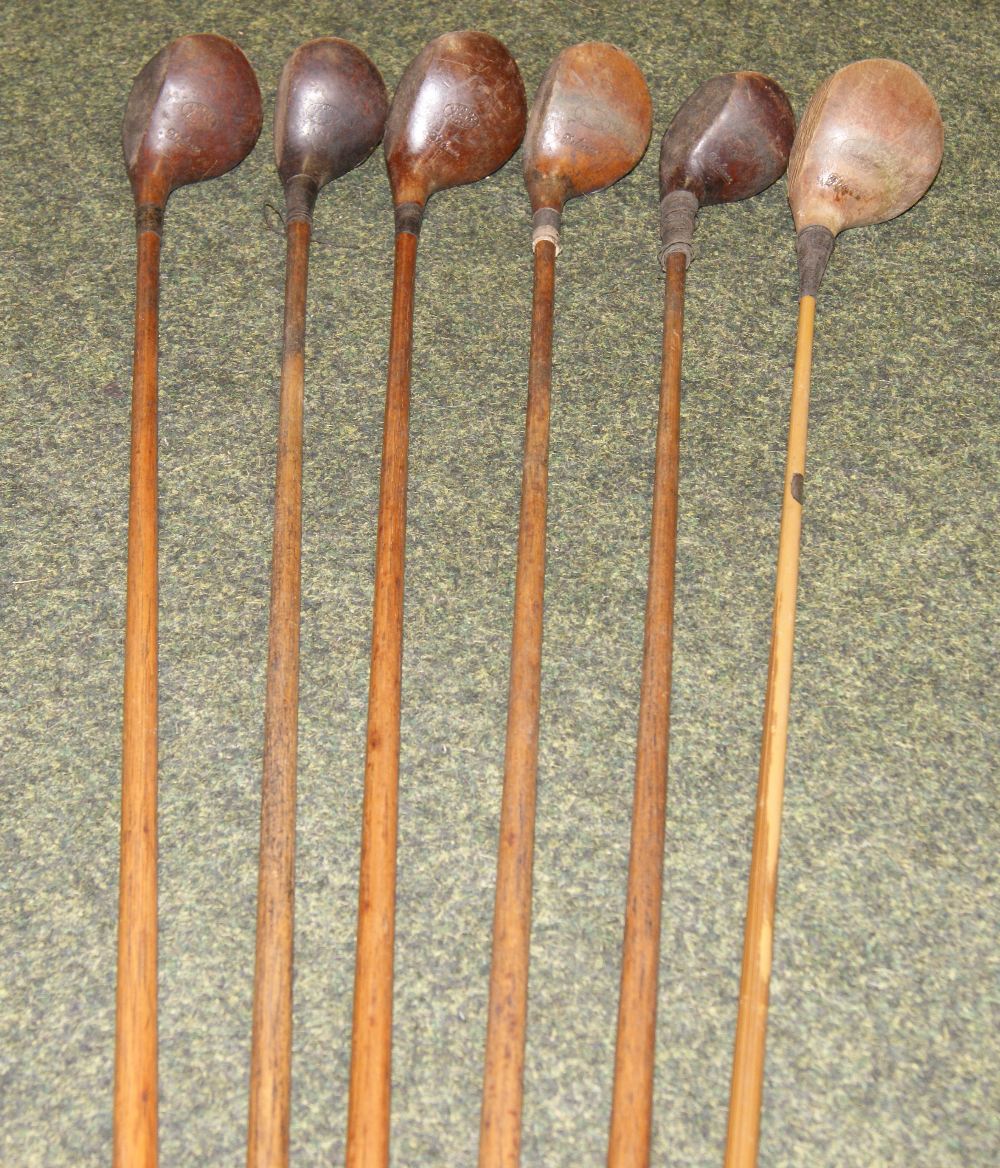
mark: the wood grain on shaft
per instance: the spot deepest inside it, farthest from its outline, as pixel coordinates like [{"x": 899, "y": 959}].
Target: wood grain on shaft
[
  {"x": 751, "y": 1022},
  {"x": 135, "y": 1094},
  {"x": 271, "y": 1057},
  {"x": 500, "y": 1121},
  {"x": 371, "y": 1039},
  {"x": 632, "y": 1097}
]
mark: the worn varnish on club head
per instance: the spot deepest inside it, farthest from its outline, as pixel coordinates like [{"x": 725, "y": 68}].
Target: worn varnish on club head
[
  {"x": 589, "y": 124},
  {"x": 329, "y": 115},
  {"x": 458, "y": 114},
  {"x": 729, "y": 141},
  {"x": 194, "y": 112},
  {"x": 868, "y": 148}
]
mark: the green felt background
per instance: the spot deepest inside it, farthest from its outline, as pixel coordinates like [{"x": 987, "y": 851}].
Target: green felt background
[{"x": 882, "y": 1045}]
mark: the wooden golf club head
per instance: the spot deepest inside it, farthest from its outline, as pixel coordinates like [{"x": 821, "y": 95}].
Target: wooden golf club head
[
  {"x": 869, "y": 146},
  {"x": 329, "y": 115},
  {"x": 729, "y": 141},
  {"x": 458, "y": 114},
  {"x": 194, "y": 112},
  {"x": 589, "y": 124}
]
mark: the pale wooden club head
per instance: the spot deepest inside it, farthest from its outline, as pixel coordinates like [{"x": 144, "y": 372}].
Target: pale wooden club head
[
  {"x": 589, "y": 124},
  {"x": 869, "y": 146},
  {"x": 458, "y": 114},
  {"x": 193, "y": 113}
]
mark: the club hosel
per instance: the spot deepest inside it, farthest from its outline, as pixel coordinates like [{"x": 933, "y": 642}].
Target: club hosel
[
  {"x": 409, "y": 217},
  {"x": 149, "y": 217},
  {"x": 545, "y": 224},
  {"x": 678, "y": 211},
  {"x": 300, "y": 198},
  {"x": 814, "y": 246}
]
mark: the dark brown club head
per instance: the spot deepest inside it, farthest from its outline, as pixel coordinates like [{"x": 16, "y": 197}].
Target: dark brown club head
[
  {"x": 589, "y": 124},
  {"x": 194, "y": 112},
  {"x": 330, "y": 111},
  {"x": 458, "y": 114},
  {"x": 730, "y": 139},
  {"x": 869, "y": 146}
]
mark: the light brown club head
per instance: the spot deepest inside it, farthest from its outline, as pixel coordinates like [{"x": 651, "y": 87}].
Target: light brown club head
[
  {"x": 458, "y": 114},
  {"x": 589, "y": 124},
  {"x": 868, "y": 147},
  {"x": 729, "y": 140},
  {"x": 194, "y": 112},
  {"x": 330, "y": 111}
]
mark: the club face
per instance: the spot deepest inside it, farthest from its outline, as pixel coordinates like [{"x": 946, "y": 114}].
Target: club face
[
  {"x": 194, "y": 112},
  {"x": 330, "y": 110},
  {"x": 458, "y": 114},
  {"x": 868, "y": 148},
  {"x": 730, "y": 139},
  {"x": 589, "y": 124}
]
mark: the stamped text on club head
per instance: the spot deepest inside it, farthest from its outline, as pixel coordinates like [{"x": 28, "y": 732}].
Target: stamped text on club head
[
  {"x": 194, "y": 112},
  {"x": 589, "y": 124},
  {"x": 458, "y": 115},
  {"x": 869, "y": 146},
  {"x": 330, "y": 111}
]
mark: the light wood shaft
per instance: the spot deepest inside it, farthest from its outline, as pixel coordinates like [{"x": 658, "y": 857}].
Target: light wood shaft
[
  {"x": 135, "y": 1090},
  {"x": 500, "y": 1119},
  {"x": 371, "y": 1040},
  {"x": 751, "y": 1023},
  {"x": 632, "y": 1096},
  {"x": 271, "y": 1055}
]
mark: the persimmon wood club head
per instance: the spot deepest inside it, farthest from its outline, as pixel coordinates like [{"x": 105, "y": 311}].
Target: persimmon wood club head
[
  {"x": 728, "y": 141},
  {"x": 194, "y": 112},
  {"x": 329, "y": 114},
  {"x": 868, "y": 148},
  {"x": 589, "y": 124},
  {"x": 457, "y": 115}
]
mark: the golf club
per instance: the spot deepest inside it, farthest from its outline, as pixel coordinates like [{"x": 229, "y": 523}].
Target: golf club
[
  {"x": 193, "y": 113},
  {"x": 867, "y": 149},
  {"x": 458, "y": 114},
  {"x": 728, "y": 141},
  {"x": 589, "y": 126},
  {"x": 329, "y": 117}
]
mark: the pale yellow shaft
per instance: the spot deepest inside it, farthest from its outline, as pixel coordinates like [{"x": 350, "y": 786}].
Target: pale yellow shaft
[{"x": 751, "y": 1022}]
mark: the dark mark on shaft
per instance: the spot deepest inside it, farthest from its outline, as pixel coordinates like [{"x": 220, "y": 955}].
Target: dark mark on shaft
[{"x": 796, "y": 488}]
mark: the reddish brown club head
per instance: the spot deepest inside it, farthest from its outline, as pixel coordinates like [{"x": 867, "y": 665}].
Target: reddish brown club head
[
  {"x": 194, "y": 112},
  {"x": 730, "y": 139},
  {"x": 589, "y": 124},
  {"x": 330, "y": 111},
  {"x": 869, "y": 146},
  {"x": 458, "y": 114}
]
